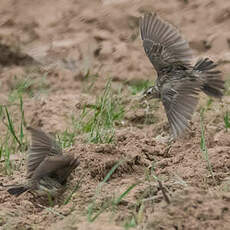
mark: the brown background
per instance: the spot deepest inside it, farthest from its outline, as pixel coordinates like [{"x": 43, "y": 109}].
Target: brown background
[{"x": 72, "y": 36}]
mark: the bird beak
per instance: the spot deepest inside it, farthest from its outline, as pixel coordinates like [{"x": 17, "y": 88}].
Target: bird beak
[{"x": 139, "y": 98}]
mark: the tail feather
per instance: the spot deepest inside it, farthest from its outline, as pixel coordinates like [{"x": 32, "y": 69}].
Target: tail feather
[
  {"x": 213, "y": 84},
  {"x": 17, "y": 190}
]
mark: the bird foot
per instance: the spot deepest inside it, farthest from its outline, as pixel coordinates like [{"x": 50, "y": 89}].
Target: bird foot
[{"x": 164, "y": 139}]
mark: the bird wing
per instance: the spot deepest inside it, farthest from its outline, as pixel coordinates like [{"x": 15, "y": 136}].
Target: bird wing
[
  {"x": 180, "y": 100},
  {"x": 162, "y": 43},
  {"x": 41, "y": 146},
  {"x": 52, "y": 164},
  {"x": 63, "y": 173}
]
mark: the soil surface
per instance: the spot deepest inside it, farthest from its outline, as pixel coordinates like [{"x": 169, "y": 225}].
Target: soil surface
[{"x": 70, "y": 48}]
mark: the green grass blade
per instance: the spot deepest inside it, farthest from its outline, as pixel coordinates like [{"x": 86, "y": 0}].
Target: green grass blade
[
  {"x": 109, "y": 174},
  {"x": 91, "y": 207},
  {"x": 227, "y": 121},
  {"x": 22, "y": 120},
  {"x": 203, "y": 145},
  {"x": 118, "y": 200},
  {"x": 11, "y": 127},
  {"x": 98, "y": 120},
  {"x": 76, "y": 187},
  {"x": 98, "y": 213}
]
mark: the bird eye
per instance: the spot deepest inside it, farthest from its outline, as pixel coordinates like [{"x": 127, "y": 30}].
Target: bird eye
[{"x": 149, "y": 92}]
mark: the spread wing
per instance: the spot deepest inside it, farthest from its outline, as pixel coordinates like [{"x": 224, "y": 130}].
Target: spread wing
[
  {"x": 162, "y": 43},
  {"x": 41, "y": 146},
  {"x": 62, "y": 165},
  {"x": 180, "y": 101}
]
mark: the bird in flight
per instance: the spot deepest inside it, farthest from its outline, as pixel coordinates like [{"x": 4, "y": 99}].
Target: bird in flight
[
  {"x": 178, "y": 82},
  {"x": 47, "y": 167}
]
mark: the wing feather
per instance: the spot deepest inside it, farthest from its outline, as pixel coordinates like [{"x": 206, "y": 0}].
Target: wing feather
[
  {"x": 41, "y": 146},
  {"x": 52, "y": 164},
  {"x": 180, "y": 101},
  {"x": 157, "y": 33}
]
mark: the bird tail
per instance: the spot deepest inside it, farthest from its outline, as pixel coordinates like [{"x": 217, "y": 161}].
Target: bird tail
[
  {"x": 17, "y": 190},
  {"x": 213, "y": 84}
]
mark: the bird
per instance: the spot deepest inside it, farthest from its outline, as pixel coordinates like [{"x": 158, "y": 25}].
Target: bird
[
  {"x": 178, "y": 82},
  {"x": 47, "y": 167}
]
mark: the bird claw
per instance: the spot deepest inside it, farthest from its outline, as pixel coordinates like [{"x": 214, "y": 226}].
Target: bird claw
[{"x": 164, "y": 139}]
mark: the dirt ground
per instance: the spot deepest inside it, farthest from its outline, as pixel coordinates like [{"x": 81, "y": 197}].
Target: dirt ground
[{"x": 71, "y": 37}]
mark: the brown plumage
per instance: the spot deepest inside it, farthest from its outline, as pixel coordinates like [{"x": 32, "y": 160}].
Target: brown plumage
[
  {"x": 47, "y": 167},
  {"x": 178, "y": 83}
]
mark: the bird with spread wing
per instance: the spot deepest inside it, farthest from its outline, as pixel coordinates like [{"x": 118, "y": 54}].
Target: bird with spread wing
[
  {"x": 178, "y": 82},
  {"x": 47, "y": 167}
]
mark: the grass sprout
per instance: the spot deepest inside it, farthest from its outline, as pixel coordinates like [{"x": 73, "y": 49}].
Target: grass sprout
[
  {"x": 98, "y": 120},
  {"x": 203, "y": 145},
  {"x": 227, "y": 86},
  {"x": 209, "y": 103},
  {"x": 130, "y": 223},
  {"x": 5, "y": 152},
  {"x": 227, "y": 120},
  {"x": 119, "y": 199},
  {"x": 27, "y": 85},
  {"x": 89, "y": 81},
  {"x": 139, "y": 85},
  {"x": 13, "y": 139},
  {"x": 66, "y": 139},
  {"x": 10, "y": 127},
  {"x": 20, "y": 87},
  {"x": 113, "y": 202},
  {"x": 76, "y": 187},
  {"x": 92, "y": 212}
]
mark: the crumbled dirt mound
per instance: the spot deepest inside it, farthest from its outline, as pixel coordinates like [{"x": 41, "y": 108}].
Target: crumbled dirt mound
[
  {"x": 193, "y": 209},
  {"x": 59, "y": 55}
]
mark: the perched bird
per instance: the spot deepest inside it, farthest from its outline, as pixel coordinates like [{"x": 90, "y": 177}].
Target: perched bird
[
  {"x": 178, "y": 83},
  {"x": 47, "y": 168}
]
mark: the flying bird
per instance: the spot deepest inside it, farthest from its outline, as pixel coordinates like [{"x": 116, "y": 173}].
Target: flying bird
[
  {"x": 178, "y": 82},
  {"x": 47, "y": 167}
]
